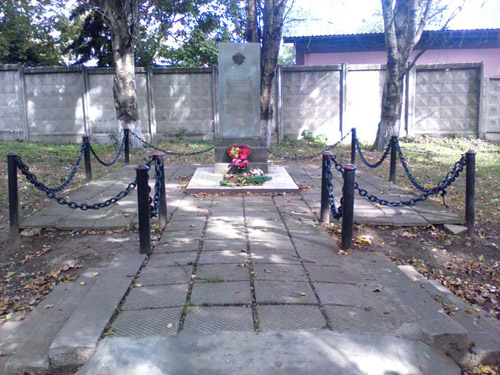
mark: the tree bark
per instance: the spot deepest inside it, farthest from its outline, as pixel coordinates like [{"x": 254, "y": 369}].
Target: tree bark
[
  {"x": 402, "y": 31},
  {"x": 252, "y": 29}
]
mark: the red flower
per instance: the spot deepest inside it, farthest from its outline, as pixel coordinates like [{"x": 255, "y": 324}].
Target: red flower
[{"x": 239, "y": 155}]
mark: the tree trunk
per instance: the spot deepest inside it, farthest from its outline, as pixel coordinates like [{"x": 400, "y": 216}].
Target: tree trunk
[
  {"x": 252, "y": 30},
  {"x": 124, "y": 87},
  {"x": 273, "y": 14}
]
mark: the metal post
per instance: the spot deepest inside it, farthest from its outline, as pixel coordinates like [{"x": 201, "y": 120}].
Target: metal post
[
  {"x": 162, "y": 210},
  {"x": 325, "y": 202},
  {"x": 127, "y": 146},
  {"x": 394, "y": 155},
  {"x": 143, "y": 208},
  {"x": 348, "y": 206},
  {"x": 353, "y": 145},
  {"x": 470, "y": 190},
  {"x": 13, "y": 194},
  {"x": 86, "y": 156}
]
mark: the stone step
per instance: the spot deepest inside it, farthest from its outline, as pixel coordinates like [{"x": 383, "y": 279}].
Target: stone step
[
  {"x": 76, "y": 341},
  {"x": 483, "y": 331},
  {"x": 271, "y": 353},
  {"x": 29, "y": 342}
]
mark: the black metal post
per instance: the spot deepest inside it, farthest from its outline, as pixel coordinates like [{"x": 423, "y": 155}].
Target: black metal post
[
  {"x": 86, "y": 156},
  {"x": 162, "y": 210},
  {"x": 13, "y": 194},
  {"x": 325, "y": 202},
  {"x": 127, "y": 146},
  {"x": 394, "y": 156},
  {"x": 348, "y": 206},
  {"x": 353, "y": 145},
  {"x": 470, "y": 190},
  {"x": 143, "y": 208}
]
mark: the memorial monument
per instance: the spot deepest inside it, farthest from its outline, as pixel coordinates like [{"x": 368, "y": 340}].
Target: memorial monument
[
  {"x": 238, "y": 106},
  {"x": 237, "y": 123}
]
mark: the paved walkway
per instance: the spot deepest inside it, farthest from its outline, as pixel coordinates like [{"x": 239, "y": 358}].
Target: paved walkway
[{"x": 124, "y": 213}]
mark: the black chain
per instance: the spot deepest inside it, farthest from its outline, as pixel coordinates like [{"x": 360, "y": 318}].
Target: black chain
[
  {"x": 450, "y": 178},
  {"x": 297, "y": 158},
  {"x": 155, "y": 201},
  {"x": 169, "y": 152},
  {"x": 117, "y": 157},
  {"x": 415, "y": 183},
  {"x": 72, "y": 174},
  {"x": 82, "y": 206},
  {"x": 366, "y": 162},
  {"x": 336, "y": 213}
]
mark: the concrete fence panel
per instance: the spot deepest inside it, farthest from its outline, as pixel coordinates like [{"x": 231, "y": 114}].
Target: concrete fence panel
[
  {"x": 183, "y": 101},
  {"x": 311, "y": 100},
  {"x": 492, "y": 121},
  {"x": 447, "y": 101},
  {"x": 11, "y": 105},
  {"x": 54, "y": 106}
]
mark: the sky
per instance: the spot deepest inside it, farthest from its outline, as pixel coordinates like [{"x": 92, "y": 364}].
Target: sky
[{"x": 352, "y": 16}]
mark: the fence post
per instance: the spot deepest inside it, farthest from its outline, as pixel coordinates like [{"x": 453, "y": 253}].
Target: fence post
[
  {"x": 470, "y": 190},
  {"x": 353, "y": 145},
  {"x": 86, "y": 156},
  {"x": 348, "y": 206},
  {"x": 127, "y": 145},
  {"x": 143, "y": 208},
  {"x": 325, "y": 201},
  {"x": 394, "y": 155},
  {"x": 13, "y": 194},
  {"x": 162, "y": 210}
]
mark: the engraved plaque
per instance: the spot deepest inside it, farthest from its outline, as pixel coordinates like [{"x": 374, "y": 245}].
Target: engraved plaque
[{"x": 239, "y": 96}]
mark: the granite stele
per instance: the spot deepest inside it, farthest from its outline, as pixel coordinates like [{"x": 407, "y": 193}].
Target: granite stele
[{"x": 238, "y": 123}]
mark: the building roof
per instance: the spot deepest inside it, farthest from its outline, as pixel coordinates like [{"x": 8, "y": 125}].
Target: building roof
[{"x": 431, "y": 39}]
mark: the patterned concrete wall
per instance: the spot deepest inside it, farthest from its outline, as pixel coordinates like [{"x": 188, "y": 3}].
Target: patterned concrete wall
[
  {"x": 364, "y": 96},
  {"x": 101, "y": 108},
  {"x": 311, "y": 102},
  {"x": 447, "y": 102},
  {"x": 11, "y": 106},
  {"x": 54, "y": 106},
  {"x": 184, "y": 101},
  {"x": 492, "y": 121}
]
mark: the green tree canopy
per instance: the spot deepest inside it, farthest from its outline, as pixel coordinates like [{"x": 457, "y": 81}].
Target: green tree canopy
[{"x": 30, "y": 32}]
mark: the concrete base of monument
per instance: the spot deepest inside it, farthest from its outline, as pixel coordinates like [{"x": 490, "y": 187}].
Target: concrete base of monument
[{"x": 205, "y": 180}]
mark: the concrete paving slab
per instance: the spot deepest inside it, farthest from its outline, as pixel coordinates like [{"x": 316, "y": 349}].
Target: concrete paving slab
[
  {"x": 289, "y": 317},
  {"x": 224, "y": 272},
  {"x": 215, "y": 319},
  {"x": 76, "y": 341},
  {"x": 360, "y": 320},
  {"x": 155, "y": 297},
  {"x": 148, "y": 322},
  {"x": 222, "y": 244},
  {"x": 290, "y": 292},
  {"x": 184, "y": 258},
  {"x": 172, "y": 245},
  {"x": 335, "y": 274},
  {"x": 275, "y": 256},
  {"x": 165, "y": 275},
  {"x": 277, "y": 272},
  {"x": 223, "y": 257},
  {"x": 221, "y": 293},
  {"x": 340, "y": 294},
  {"x": 268, "y": 353}
]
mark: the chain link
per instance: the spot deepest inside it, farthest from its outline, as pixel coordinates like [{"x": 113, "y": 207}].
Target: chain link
[
  {"x": 155, "y": 201},
  {"x": 336, "y": 212},
  {"x": 297, "y": 158},
  {"x": 51, "y": 193},
  {"x": 117, "y": 157},
  {"x": 366, "y": 162},
  {"x": 450, "y": 178},
  {"x": 146, "y": 143}
]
